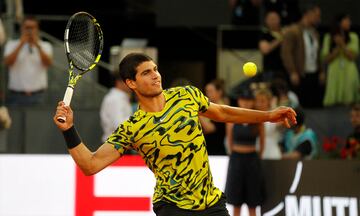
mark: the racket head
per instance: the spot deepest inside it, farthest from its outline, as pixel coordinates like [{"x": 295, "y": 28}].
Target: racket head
[{"x": 83, "y": 42}]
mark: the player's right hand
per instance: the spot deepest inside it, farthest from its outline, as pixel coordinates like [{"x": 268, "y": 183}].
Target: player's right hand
[{"x": 64, "y": 111}]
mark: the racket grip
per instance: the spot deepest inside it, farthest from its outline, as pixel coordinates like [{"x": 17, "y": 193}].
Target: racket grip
[
  {"x": 67, "y": 100},
  {"x": 68, "y": 95}
]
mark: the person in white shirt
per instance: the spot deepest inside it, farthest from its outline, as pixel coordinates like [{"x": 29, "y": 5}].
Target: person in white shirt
[
  {"x": 271, "y": 150},
  {"x": 28, "y": 60},
  {"x": 115, "y": 107}
]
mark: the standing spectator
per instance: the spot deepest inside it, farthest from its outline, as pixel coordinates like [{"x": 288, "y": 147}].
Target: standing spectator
[
  {"x": 28, "y": 60},
  {"x": 299, "y": 52},
  {"x": 352, "y": 147},
  {"x": 115, "y": 107},
  {"x": 244, "y": 183},
  {"x": 214, "y": 131},
  {"x": 340, "y": 51},
  {"x": 269, "y": 46},
  {"x": 287, "y": 9},
  {"x": 272, "y": 133},
  {"x": 300, "y": 142}
]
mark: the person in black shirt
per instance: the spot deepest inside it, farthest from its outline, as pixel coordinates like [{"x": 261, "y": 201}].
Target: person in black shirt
[
  {"x": 269, "y": 45},
  {"x": 215, "y": 131}
]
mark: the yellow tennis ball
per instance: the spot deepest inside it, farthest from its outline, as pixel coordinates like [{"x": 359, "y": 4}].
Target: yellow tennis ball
[{"x": 250, "y": 69}]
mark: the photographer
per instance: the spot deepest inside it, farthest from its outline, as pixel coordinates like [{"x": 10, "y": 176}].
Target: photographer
[{"x": 28, "y": 60}]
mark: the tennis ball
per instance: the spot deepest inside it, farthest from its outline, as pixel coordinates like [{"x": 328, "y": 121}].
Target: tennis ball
[{"x": 249, "y": 69}]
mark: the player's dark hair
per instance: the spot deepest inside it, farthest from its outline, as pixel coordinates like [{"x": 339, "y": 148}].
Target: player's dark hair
[{"x": 128, "y": 65}]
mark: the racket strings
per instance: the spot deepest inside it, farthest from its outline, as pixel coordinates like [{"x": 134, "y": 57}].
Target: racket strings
[{"x": 84, "y": 42}]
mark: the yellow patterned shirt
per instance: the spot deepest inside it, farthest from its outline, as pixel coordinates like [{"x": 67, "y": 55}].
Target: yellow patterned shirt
[{"x": 173, "y": 146}]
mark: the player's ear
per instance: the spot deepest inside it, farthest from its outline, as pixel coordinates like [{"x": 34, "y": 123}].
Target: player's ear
[{"x": 130, "y": 83}]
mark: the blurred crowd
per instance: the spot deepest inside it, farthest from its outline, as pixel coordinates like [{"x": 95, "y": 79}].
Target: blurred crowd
[{"x": 300, "y": 68}]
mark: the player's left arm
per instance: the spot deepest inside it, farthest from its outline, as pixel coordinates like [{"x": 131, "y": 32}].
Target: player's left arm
[{"x": 225, "y": 113}]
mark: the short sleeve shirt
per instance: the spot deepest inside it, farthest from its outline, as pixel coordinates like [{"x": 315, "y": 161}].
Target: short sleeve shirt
[
  {"x": 28, "y": 73},
  {"x": 173, "y": 146}
]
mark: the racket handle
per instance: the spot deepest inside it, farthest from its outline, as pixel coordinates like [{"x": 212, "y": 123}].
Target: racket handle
[
  {"x": 68, "y": 95},
  {"x": 67, "y": 100}
]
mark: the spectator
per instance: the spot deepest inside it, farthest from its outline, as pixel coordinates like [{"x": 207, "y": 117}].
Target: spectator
[
  {"x": 269, "y": 46},
  {"x": 28, "y": 59},
  {"x": 340, "y": 51},
  {"x": 299, "y": 52},
  {"x": 284, "y": 96},
  {"x": 352, "y": 147},
  {"x": 272, "y": 133},
  {"x": 2, "y": 33},
  {"x": 214, "y": 131},
  {"x": 244, "y": 183},
  {"x": 300, "y": 142},
  {"x": 115, "y": 107},
  {"x": 287, "y": 9},
  {"x": 2, "y": 78}
]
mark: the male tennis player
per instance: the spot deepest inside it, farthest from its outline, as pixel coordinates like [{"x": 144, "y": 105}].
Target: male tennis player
[{"x": 166, "y": 132}]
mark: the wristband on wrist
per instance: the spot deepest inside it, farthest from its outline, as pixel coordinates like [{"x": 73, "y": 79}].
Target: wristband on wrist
[{"x": 72, "y": 138}]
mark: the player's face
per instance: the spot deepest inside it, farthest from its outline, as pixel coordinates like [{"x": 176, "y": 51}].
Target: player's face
[{"x": 148, "y": 80}]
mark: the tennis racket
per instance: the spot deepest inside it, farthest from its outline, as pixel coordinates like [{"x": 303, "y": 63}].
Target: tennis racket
[{"x": 83, "y": 42}]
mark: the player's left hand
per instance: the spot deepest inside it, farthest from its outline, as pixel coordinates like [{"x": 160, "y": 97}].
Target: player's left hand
[{"x": 283, "y": 114}]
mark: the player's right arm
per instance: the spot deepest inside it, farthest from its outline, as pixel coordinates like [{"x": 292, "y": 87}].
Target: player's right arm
[{"x": 89, "y": 162}]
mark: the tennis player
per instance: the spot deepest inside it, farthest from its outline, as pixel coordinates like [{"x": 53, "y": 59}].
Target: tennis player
[{"x": 166, "y": 132}]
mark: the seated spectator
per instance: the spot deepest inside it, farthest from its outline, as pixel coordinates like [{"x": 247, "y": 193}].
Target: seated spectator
[
  {"x": 300, "y": 142},
  {"x": 352, "y": 147},
  {"x": 284, "y": 96}
]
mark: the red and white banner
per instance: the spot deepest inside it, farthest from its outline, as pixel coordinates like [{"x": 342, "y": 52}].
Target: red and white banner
[{"x": 52, "y": 185}]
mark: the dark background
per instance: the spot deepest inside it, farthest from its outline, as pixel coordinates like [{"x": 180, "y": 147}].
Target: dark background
[{"x": 184, "y": 31}]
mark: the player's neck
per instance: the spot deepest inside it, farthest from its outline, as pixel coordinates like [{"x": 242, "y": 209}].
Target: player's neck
[{"x": 152, "y": 104}]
